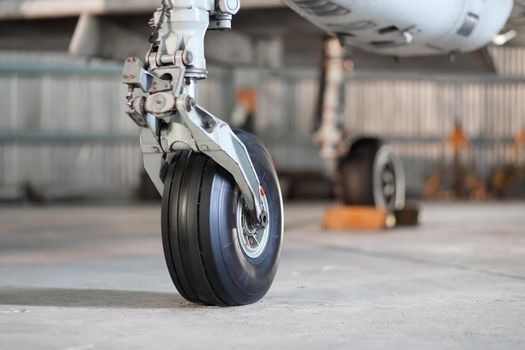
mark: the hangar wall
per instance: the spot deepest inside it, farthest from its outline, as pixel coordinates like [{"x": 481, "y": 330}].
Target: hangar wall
[
  {"x": 416, "y": 115},
  {"x": 63, "y": 128}
]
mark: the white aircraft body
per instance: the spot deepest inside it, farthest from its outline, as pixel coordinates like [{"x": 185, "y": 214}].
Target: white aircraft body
[{"x": 409, "y": 27}]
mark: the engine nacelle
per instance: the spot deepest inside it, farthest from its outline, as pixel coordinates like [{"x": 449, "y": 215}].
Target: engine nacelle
[{"x": 409, "y": 27}]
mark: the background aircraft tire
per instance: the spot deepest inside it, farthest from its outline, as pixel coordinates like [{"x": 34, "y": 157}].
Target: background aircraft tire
[{"x": 371, "y": 174}]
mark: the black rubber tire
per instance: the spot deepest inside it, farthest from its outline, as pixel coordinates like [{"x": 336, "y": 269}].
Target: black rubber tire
[
  {"x": 201, "y": 246},
  {"x": 356, "y": 175},
  {"x": 356, "y": 170}
]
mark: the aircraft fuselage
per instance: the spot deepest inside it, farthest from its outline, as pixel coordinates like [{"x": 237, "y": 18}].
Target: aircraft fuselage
[{"x": 409, "y": 27}]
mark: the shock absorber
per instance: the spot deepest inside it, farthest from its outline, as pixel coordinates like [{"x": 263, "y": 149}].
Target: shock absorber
[{"x": 162, "y": 97}]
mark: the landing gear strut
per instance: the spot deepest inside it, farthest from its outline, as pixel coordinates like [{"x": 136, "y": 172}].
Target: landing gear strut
[
  {"x": 367, "y": 173},
  {"x": 222, "y": 220}
]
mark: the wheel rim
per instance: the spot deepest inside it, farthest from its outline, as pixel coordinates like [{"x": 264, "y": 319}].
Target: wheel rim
[
  {"x": 388, "y": 184},
  {"x": 253, "y": 240},
  {"x": 389, "y": 180}
]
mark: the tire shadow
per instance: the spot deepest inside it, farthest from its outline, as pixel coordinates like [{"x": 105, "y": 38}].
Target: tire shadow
[{"x": 92, "y": 298}]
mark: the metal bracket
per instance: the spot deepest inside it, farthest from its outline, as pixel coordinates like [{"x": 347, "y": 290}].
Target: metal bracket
[
  {"x": 217, "y": 140},
  {"x": 135, "y": 75},
  {"x": 172, "y": 65},
  {"x": 153, "y": 157}
]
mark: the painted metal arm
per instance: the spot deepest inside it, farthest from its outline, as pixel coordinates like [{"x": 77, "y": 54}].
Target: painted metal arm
[{"x": 216, "y": 139}]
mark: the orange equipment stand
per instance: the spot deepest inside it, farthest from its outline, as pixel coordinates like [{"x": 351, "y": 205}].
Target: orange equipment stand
[
  {"x": 355, "y": 218},
  {"x": 369, "y": 219}
]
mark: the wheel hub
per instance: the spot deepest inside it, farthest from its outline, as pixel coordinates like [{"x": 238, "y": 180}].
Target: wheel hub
[
  {"x": 253, "y": 239},
  {"x": 388, "y": 184},
  {"x": 388, "y": 181}
]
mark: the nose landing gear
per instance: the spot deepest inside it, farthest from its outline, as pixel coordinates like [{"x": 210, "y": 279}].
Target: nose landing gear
[{"x": 222, "y": 215}]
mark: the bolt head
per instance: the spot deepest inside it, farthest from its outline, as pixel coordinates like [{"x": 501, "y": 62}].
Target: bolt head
[
  {"x": 208, "y": 124},
  {"x": 190, "y": 103},
  {"x": 263, "y": 219},
  {"x": 187, "y": 58},
  {"x": 160, "y": 100}
]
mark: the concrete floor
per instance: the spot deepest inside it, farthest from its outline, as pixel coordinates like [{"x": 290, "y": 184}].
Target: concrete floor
[{"x": 94, "y": 278}]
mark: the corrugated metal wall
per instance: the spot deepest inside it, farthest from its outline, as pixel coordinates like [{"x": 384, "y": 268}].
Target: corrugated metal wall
[
  {"x": 63, "y": 128},
  {"x": 416, "y": 116},
  {"x": 60, "y": 129},
  {"x": 509, "y": 61}
]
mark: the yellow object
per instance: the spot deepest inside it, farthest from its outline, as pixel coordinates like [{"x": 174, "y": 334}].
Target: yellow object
[{"x": 346, "y": 218}]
